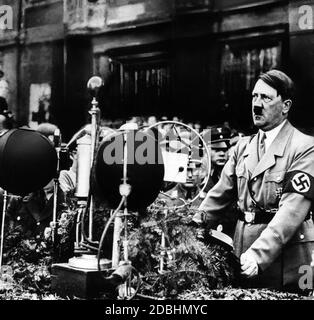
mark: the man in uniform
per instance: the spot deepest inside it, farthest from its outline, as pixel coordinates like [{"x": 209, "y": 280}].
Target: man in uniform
[
  {"x": 271, "y": 176},
  {"x": 179, "y": 194},
  {"x": 220, "y": 144},
  {"x": 218, "y": 140},
  {"x": 219, "y": 154}
]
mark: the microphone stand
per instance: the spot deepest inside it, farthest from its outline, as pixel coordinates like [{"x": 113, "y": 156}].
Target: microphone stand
[
  {"x": 124, "y": 267},
  {"x": 4, "y": 209},
  {"x": 93, "y": 85},
  {"x": 57, "y": 143},
  {"x": 80, "y": 277}
]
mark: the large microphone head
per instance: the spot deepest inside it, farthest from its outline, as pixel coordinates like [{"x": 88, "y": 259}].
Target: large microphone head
[
  {"x": 28, "y": 161},
  {"x": 94, "y": 84},
  {"x": 145, "y": 169}
]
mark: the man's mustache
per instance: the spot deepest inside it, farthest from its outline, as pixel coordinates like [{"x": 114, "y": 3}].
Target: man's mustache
[{"x": 258, "y": 110}]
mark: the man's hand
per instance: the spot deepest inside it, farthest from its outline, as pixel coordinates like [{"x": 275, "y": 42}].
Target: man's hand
[
  {"x": 67, "y": 180},
  {"x": 249, "y": 266}
]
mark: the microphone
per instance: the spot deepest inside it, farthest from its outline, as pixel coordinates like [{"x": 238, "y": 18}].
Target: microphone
[{"x": 94, "y": 84}]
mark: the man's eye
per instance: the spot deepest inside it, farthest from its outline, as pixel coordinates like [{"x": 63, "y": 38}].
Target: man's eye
[
  {"x": 266, "y": 99},
  {"x": 263, "y": 97}
]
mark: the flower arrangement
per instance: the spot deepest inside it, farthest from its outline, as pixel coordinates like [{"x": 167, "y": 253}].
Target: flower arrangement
[{"x": 182, "y": 260}]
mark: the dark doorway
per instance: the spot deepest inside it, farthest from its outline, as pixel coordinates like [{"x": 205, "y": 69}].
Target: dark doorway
[{"x": 139, "y": 84}]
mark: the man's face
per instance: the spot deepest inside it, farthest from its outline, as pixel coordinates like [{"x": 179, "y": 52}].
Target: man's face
[
  {"x": 219, "y": 156},
  {"x": 151, "y": 120},
  {"x": 268, "y": 109}
]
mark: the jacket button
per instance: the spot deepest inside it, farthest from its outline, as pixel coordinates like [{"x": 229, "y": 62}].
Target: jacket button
[
  {"x": 301, "y": 236},
  {"x": 254, "y": 179}
]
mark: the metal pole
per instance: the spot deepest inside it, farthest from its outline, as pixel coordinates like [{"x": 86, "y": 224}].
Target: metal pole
[
  {"x": 118, "y": 225},
  {"x": 163, "y": 247},
  {"x": 54, "y": 214},
  {"x": 57, "y": 144},
  {"x": 4, "y": 209},
  {"x": 94, "y": 113},
  {"x": 118, "y": 222},
  {"x": 125, "y": 241},
  {"x": 93, "y": 84}
]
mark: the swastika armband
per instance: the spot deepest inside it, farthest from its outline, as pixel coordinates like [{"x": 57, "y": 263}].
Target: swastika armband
[{"x": 299, "y": 182}]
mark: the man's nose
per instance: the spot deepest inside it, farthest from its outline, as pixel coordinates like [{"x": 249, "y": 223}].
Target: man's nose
[{"x": 258, "y": 102}]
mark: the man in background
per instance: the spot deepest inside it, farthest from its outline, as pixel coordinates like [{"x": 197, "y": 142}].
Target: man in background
[{"x": 4, "y": 93}]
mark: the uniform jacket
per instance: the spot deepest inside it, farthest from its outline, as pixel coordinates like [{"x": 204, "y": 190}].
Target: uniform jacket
[
  {"x": 178, "y": 195},
  {"x": 33, "y": 212},
  {"x": 286, "y": 242}
]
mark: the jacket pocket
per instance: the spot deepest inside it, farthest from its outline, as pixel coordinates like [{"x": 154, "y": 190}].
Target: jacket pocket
[
  {"x": 274, "y": 187},
  {"x": 277, "y": 176},
  {"x": 241, "y": 182}
]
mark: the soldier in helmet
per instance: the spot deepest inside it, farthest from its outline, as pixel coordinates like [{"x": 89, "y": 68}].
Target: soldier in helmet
[
  {"x": 219, "y": 146},
  {"x": 218, "y": 140}
]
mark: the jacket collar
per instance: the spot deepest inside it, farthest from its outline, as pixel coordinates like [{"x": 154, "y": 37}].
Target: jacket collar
[{"x": 277, "y": 148}]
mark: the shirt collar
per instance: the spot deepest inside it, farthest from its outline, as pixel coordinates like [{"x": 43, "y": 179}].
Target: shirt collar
[{"x": 271, "y": 134}]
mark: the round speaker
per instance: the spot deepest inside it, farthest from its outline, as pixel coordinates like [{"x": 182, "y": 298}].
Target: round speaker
[
  {"x": 28, "y": 161},
  {"x": 144, "y": 170}
]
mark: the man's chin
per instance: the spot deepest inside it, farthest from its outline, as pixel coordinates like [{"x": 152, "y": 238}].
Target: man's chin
[{"x": 258, "y": 122}]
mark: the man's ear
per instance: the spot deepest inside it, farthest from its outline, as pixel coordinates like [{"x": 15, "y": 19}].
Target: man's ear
[{"x": 286, "y": 106}]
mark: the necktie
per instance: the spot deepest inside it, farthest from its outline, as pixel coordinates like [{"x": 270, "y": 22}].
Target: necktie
[
  {"x": 215, "y": 176},
  {"x": 262, "y": 148}
]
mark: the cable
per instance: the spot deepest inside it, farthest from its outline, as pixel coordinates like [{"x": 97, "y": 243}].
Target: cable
[
  {"x": 88, "y": 246},
  {"x": 103, "y": 236},
  {"x": 137, "y": 286},
  {"x": 102, "y": 239}
]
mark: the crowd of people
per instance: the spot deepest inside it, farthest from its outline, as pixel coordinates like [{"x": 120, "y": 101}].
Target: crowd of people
[{"x": 260, "y": 187}]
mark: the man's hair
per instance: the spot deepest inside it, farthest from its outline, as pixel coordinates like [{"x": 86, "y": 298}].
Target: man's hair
[{"x": 279, "y": 81}]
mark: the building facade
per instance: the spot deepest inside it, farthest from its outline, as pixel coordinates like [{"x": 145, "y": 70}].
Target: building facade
[{"x": 197, "y": 60}]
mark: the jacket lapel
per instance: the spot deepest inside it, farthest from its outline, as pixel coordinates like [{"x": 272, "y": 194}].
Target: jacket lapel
[
  {"x": 277, "y": 148},
  {"x": 251, "y": 156}
]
